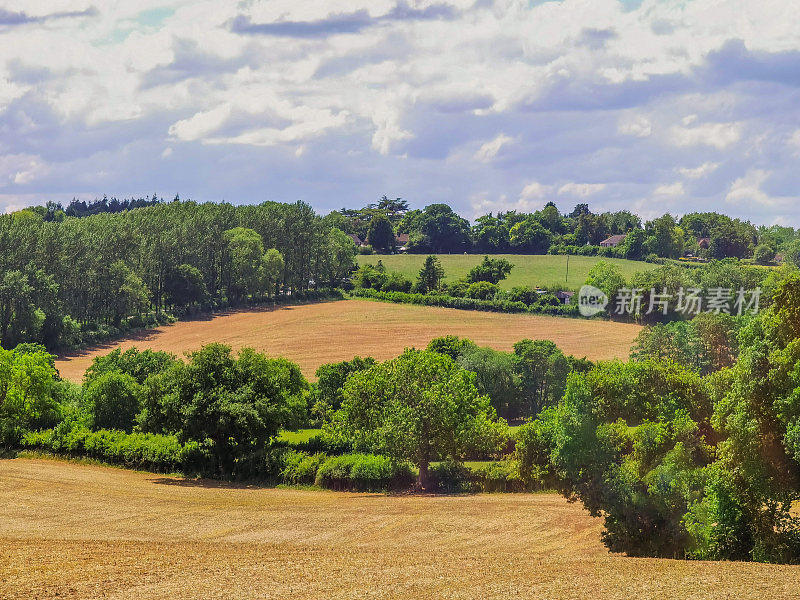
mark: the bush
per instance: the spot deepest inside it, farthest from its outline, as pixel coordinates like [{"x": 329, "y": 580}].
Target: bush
[
  {"x": 113, "y": 399},
  {"x": 159, "y": 453},
  {"x": 449, "y": 301},
  {"x": 364, "y": 473},
  {"x": 451, "y": 477},
  {"x": 482, "y": 290},
  {"x": 301, "y": 468}
]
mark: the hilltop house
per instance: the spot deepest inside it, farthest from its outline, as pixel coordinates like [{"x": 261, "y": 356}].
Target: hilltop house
[
  {"x": 613, "y": 241},
  {"x": 356, "y": 240},
  {"x": 401, "y": 241}
]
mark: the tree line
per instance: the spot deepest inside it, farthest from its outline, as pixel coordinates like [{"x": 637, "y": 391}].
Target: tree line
[{"x": 64, "y": 281}]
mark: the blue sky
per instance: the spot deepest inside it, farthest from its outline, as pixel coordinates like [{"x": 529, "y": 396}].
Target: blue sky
[{"x": 487, "y": 105}]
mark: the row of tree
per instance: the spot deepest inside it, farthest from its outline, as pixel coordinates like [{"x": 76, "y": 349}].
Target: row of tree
[
  {"x": 437, "y": 228},
  {"x": 61, "y": 278}
]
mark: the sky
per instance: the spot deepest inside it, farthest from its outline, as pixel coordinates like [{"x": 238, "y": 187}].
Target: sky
[{"x": 652, "y": 106}]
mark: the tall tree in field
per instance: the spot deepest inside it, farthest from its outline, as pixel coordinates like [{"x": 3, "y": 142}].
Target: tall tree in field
[
  {"x": 380, "y": 234},
  {"x": 273, "y": 270},
  {"x": 419, "y": 407},
  {"x": 431, "y": 275}
]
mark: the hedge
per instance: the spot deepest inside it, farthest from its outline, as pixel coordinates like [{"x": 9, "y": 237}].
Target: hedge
[
  {"x": 493, "y": 476},
  {"x": 364, "y": 473},
  {"x": 147, "y": 451},
  {"x": 505, "y": 306}
]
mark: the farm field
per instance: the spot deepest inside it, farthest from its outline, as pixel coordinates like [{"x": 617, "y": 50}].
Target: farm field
[
  {"x": 529, "y": 270},
  {"x": 75, "y": 531},
  {"x": 314, "y": 334}
]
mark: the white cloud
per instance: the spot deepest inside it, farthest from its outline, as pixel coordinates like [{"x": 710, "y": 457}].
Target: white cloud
[
  {"x": 670, "y": 189},
  {"x": 488, "y": 151},
  {"x": 357, "y": 97},
  {"x": 534, "y": 190},
  {"x": 748, "y": 189},
  {"x": 638, "y": 127},
  {"x": 699, "y": 171},
  {"x": 718, "y": 135},
  {"x": 582, "y": 190}
]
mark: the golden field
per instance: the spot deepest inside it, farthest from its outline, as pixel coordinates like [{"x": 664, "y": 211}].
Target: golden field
[
  {"x": 75, "y": 531},
  {"x": 315, "y": 334}
]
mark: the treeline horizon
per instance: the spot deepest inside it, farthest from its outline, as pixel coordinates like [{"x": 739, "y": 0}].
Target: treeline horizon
[{"x": 437, "y": 228}]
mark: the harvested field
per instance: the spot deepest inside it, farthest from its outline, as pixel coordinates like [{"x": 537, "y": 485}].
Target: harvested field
[
  {"x": 73, "y": 531},
  {"x": 314, "y": 334}
]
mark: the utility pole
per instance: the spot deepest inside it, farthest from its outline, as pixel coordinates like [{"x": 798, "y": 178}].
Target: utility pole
[{"x": 566, "y": 277}]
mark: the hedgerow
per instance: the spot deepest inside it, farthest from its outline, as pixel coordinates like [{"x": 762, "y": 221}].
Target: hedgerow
[
  {"x": 505, "y": 306},
  {"x": 364, "y": 473}
]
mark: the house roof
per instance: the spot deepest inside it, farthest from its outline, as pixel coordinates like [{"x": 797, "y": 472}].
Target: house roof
[
  {"x": 614, "y": 239},
  {"x": 358, "y": 241},
  {"x": 402, "y": 238}
]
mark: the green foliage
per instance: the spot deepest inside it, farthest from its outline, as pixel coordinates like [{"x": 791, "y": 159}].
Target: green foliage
[
  {"x": 331, "y": 378},
  {"x": 236, "y": 405},
  {"x": 495, "y": 376},
  {"x": 381, "y": 235},
  {"x": 364, "y": 473},
  {"x": 764, "y": 254},
  {"x": 492, "y": 270},
  {"x": 300, "y": 468},
  {"x": 419, "y": 407},
  {"x": 114, "y": 400},
  {"x": 26, "y": 394},
  {"x": 542, "y": 369},
  {"x": 483, "y": 290},
  {"x": 430, "y": 276},
  {"x": 159, "y": 453},
  {"x": 138, "y": 364}
]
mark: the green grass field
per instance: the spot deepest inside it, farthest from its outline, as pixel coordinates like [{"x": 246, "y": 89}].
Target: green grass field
[{"x": 529, "y": 270}]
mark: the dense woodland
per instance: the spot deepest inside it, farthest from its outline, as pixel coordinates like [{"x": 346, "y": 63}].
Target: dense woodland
[{"x": 68, "y": 280}]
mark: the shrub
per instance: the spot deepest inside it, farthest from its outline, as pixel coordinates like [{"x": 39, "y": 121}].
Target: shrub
[
  {"x": 159, "y": 453},
  {"x": 301, "y": 468},
  {"x": 364, "y": 473},
  {"x": 451, "y": 477},
  {"x": 482, "y": 290},
  {"x": 113, "y": 399}
]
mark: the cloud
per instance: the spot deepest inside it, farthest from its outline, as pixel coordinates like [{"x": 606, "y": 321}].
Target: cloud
[
  {"x": 489, "y": 150},
  {"x": 489, "y": 105},
  {"x": 581, "y": 190},
  {"x": 699, "y": 171},
  {"x": 341, "y": 23}
]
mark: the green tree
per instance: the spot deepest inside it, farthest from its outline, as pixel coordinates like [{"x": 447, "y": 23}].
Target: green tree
[
  {"x": 381, "y": 234},
  {"x": 764, "y": 254},
  {"x": 495, "y": 376},
  {"x": 114, "y": 400},
  {"x": 138, "y": 364},
  {"x": 273, "y": 267},
  {"x": 26, "y": 394},
  {"x": 543, "y": 370},
  {"x": 431, "y": 275},
  {"x": 530, "y": 236},
  {"x": 184, "y": 286},
  {"x": 419, "y": 407},
  {"x": 234, "y": 405},
  {"x": 331, "y": 379},
  {"x": 493, "y": 270},
  {"x": 246, "y": 255}
]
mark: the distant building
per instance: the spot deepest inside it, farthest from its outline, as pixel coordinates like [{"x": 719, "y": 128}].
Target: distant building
[
  {"x": 565, "y": 296},
  {"x": 356, "y": 240},
  {"x": 614, "y": 240},
  {"x": 401, "y": 241},
  {"x": 704, "y": 242}
]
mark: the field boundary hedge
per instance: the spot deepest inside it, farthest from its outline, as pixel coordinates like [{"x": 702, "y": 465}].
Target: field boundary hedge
[{"x": 504, "y": 306}]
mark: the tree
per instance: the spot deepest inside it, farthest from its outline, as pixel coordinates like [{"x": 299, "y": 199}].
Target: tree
[
  {"x": 607, "y": 277},
  {"x": 452, "y": 346},
  {"x": 431, "y": 275},
  {"x": 543, "y": 370},
  {"x": 138, "y": 364},
  {"x": 492, "y": 270},
  {"x": 418, "y": 407},
  {"x": 274, "y": 265},
  {"x": 381, "y": 234},
  {"x": 26, "y": 394},
  {"x": 764, "y": 254},
  {"x": 495, "y": 376},
  {"x": 233, "y": 405},
  {"x": 331, "y": 379},
  {"x": 129, "y": 294},
  {"x": 113, "y": 399},
  {"x": 438, "y": 229},
  {"x": 184, "y": 286},
  {"x": 530, "y": 236},
  {"x": 246, "y": 253}
]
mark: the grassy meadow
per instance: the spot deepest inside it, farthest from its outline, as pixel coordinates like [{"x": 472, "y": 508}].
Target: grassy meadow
[{"x": 529, "y": 269}]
